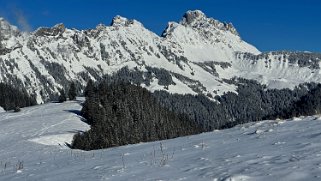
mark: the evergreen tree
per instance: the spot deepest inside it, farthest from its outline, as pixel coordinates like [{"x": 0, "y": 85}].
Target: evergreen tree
[
  {"x": 89, "y": 89},
  {"x": 62, "y": 96},
  {"x": 72, "y": 91}
]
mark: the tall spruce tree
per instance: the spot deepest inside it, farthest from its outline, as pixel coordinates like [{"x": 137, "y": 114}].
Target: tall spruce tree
[
  {"x": 62, "y": 96},
  {"x": 72, "y": 91},
  {"x": 89, "y": 89}
]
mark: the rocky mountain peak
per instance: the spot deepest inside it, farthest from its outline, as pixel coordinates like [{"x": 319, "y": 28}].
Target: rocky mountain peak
[
  {"x": 7, "y": 30},
  {"x": 191, "y": 17},
  {"x": 54, "y": 31},
  {"x": 121, "y": 21},
  {"x": 49, "y": 58},
  {"x": 197, "y": 19}
]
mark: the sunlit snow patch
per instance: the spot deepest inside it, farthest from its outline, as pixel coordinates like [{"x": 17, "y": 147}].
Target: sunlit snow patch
[
  {"x": 2, "y": 110},
  {"x": 56, "y": 140}
]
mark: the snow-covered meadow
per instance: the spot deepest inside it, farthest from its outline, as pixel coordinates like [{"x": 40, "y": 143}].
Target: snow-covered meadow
[{"x": 32, "y": 147}]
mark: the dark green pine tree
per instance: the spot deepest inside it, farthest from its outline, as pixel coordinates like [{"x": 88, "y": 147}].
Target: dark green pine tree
[
  {"x": 89, "y": 90},
  {"x": 72, "y": 91},
  {"x": 62, "y": 97}
]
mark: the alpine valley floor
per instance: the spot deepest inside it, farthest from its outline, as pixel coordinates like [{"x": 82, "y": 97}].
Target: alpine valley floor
[{"x": 33, "y": 147}]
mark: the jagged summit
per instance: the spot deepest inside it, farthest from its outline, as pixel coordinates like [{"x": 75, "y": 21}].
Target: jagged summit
[
  {"x": 119, "y": 21},
  {"x": 191, "y": 17},
  {"x": 58, "y": 29},
  {"x": 197, "y": 19}
]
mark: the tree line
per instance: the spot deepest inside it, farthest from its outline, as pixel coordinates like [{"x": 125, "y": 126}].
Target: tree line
[{"x": 12, "y": 98}]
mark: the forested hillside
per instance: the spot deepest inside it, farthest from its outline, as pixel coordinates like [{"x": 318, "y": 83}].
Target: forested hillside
[
  {"x": 14, "y": 98},
  {"x": 122, "y": 113},
  {"x": 252, "y": 102}
]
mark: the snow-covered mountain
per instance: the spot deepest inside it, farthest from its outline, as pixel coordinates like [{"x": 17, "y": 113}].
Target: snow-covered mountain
[
  {"x": 33, "y": 148},
  {"x": 198, "y": 53}
]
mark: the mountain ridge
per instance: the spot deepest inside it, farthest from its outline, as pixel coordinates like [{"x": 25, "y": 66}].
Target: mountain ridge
[{"x": 198, "y": 52}]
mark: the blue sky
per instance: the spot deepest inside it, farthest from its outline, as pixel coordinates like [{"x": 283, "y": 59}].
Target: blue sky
[{"x": 268, "y": 24}]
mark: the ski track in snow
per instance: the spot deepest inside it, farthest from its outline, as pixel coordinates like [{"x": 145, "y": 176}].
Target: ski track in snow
[{"x": 267, "y": 150}]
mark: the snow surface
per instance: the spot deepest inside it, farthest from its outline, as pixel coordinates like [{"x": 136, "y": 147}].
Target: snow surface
[
  {"x": 2, "y": 110},
  {"x": 33, "y": 148}
]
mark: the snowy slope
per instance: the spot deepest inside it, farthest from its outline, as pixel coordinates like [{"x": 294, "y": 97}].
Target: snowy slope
[
  {"x": 200, "y": 38},
  {"x": 279, "y": 69},
  {"x": 198, "y": 52},
  {"x": 268, "y": 150}
]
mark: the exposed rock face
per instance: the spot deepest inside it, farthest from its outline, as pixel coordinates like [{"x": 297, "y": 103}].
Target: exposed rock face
[
  {"x": 191, "y": 17},
  {"x": 231, "y": 28},
  {"x": 121, "y": 21},
  {"x": 58, "y": 29},
  {"x": 198, "y": 19}
]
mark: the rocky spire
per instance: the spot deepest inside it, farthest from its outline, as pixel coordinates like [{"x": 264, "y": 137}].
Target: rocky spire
[
  {"x": 121, "y": 21},
  {"x": 191, "y": 17},
  {"x": 197, "y": 19}
]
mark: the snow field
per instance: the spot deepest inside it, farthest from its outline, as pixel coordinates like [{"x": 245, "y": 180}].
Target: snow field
[{"x": 32, "y": 148}]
